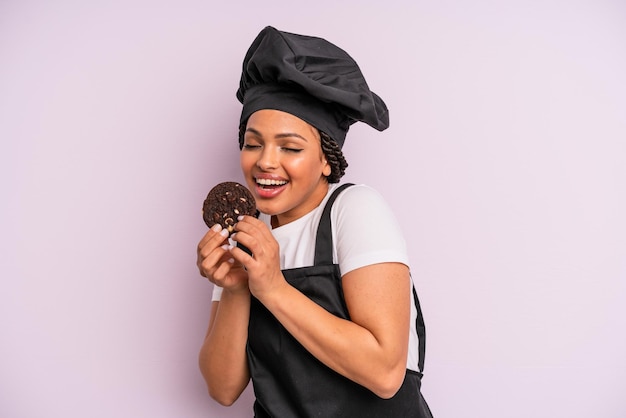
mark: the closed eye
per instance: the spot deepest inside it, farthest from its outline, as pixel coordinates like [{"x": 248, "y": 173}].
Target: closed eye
[{"x": 292, "y": 150}]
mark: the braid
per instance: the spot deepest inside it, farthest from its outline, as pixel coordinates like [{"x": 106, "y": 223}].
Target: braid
[
  {"x": 331, "y": 150},
  {"x": 242, "y": 131},
  {"x": 334, "y": 156}
]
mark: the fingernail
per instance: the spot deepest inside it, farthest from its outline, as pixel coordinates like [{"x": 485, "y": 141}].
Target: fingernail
[
  {"x": 224, "y": 233},
  {"x": 240, "y": 218},
  {"x": 216, "y": 228},
  {"x": 231, "y": 260},
  {"x": 227, "y": 247}
]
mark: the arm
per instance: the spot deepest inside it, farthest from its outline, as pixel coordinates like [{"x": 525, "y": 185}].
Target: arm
[
  {"x": 222, "y": 358},
  {"x": 371, "y": 348}
]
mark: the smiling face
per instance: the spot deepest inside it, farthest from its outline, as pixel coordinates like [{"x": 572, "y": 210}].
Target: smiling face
[{"x": 283, "y": 164}]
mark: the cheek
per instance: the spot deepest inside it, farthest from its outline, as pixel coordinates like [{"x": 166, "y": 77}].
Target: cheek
[
  {"x": 311, "y": 173},
  {"x": 301, "y": 167},
  {"x": 245, "y": 161}
]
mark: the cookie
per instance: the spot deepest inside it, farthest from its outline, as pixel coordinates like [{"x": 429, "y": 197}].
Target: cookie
[{"x": 225, "y": 203}]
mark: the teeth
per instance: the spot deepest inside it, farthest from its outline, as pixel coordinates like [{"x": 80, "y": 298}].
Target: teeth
[{"x": 269, "y": 182}]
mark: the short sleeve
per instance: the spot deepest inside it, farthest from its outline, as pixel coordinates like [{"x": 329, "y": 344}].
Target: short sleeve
[
  {"x": 217, "y": 293},
  {"x": 366, "y": 230}
]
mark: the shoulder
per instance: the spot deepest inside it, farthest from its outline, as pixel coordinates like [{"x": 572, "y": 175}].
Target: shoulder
[
  {"x": 365, "y": 229},
  {"x": 359, "y": 198},
  {"x": 361, "y": 208}
]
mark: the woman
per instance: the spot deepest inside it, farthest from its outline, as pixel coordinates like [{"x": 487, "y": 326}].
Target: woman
[{"x": 322, "y": 315}]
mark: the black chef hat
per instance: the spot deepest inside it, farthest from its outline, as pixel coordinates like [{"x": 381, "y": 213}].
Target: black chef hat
[{"x": 310, "y": 78}]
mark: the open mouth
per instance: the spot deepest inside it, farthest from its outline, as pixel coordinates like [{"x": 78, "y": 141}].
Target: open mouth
[{"x": 270, "y": 183}]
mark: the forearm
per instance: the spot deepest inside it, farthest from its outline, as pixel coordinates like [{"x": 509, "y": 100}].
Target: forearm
[
  {"x": 223, "y": 360},
  {"x": 345, "y": 346}
]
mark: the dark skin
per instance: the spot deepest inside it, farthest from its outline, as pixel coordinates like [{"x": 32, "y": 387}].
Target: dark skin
[{"x": 371, "y": 348}]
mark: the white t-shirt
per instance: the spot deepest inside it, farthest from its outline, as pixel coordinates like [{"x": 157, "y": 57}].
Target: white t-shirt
[{"x": 365, "y": 232}]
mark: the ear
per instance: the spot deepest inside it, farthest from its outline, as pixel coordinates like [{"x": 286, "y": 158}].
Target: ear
[{"x": 326, "y": 170}]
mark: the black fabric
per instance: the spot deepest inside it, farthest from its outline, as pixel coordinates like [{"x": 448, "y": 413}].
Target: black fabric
[
  {"x": 421, "y": 331},
  {"x": 289, "y": 382},
  {"x": 310, "y": 78}
]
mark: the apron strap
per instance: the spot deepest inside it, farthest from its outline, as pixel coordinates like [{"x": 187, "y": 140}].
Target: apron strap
[
  {"x": 324, "y": 256},
  {"x": 421, "y": 332},
  {"x": 324, "y": 238}
]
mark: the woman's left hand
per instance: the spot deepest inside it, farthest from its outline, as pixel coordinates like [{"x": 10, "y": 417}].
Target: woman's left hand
[{"x": 263, "y": 266}]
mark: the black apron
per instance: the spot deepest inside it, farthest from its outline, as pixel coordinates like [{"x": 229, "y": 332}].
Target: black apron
[{"x": 289, "y": 382}]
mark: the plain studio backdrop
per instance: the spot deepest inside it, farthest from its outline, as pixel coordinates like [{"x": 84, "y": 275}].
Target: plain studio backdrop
[{"x": 505, "y": 163}]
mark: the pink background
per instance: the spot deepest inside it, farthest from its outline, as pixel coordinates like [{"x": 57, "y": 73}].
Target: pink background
[{"x": 505, "y": 162}]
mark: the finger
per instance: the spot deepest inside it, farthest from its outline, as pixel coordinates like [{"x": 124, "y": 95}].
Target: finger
[
  {"x": 207, "y": 236},
  {"x": 212, "y": 233},
  {"x": 254, "y": 227},
  {"x": 242, "y": 256},
  {"x": 221, "y": 272},
  {"x": 215, "y": 237},
  {"x": 209, "y": 262},
  {"x": 251, "y": 220}
]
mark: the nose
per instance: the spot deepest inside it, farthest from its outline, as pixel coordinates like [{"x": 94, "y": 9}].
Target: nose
[{"x": 268, "y": 159}]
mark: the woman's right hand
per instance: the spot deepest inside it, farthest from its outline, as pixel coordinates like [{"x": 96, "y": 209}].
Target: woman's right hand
[
  {"x": 223, "y": 360},
  {"x": 216, "y": 264}
]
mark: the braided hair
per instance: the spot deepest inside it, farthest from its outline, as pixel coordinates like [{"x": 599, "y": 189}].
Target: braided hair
[
  {"x": 335, "y": 158},
  {"x": 331, "y": 150}
]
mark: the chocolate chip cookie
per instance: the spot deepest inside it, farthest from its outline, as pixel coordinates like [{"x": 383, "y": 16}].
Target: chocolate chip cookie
[{"x": 225, "y": 203}]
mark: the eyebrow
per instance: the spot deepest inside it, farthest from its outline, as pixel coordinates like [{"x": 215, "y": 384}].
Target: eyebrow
[{"x": 281, "y": 135}]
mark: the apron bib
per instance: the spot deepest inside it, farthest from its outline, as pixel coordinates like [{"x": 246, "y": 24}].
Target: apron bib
[{"x": 289, "y": 382}]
